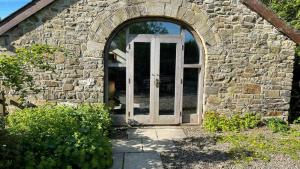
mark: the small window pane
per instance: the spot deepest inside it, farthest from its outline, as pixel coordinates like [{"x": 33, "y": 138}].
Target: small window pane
[
  {"x": 190, "y": 90},
  {"x": 117, "y": 90},
  {"x": 191, "y": 50}
]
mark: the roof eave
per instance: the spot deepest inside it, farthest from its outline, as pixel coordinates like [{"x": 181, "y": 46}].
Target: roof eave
[{"x": 22, "y": 14}]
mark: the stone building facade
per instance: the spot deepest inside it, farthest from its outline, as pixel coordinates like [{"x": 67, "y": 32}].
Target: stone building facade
[{"x": 248, "y": 63}]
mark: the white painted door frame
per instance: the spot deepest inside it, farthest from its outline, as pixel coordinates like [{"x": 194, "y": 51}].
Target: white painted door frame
[{"x": 153, "y": 117}]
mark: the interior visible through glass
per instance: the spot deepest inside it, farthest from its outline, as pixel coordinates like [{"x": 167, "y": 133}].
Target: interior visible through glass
[
  {"x": 190, "y": 91},
  {"x": 167, "y": 78},
  {"x": 117, "y": 89},
  {"x": 141, "y": 82}
]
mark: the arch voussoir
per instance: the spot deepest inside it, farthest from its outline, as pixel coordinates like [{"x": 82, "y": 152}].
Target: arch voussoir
[{"x": 179, "y": 10}]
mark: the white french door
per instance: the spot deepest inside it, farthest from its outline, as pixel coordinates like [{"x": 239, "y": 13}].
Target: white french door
[{"x": 154, "y": 76}]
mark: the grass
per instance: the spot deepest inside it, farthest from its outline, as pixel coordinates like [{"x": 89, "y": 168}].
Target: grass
[{"x": 260, "y": 144}]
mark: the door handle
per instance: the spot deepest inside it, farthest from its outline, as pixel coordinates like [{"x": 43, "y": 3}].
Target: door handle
[{"x": 157, "y": 83}]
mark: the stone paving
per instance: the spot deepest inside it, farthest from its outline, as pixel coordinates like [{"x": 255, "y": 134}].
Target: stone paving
[{"x": 142, "y": 148}]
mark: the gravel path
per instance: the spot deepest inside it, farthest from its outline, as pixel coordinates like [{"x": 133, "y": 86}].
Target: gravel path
[{"x": 201, "y": 150}]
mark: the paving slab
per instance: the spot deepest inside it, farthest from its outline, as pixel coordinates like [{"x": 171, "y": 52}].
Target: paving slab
[
  {"x": 162, "y": 127},
  {"x": 121, "y": 146},
  {"x": 150, "y": 160},
  {"x": 142, "y": 133},
  {"x": 170, "y": 134},
  {"x": 118, "y": 160},
  {"x": 158, "y": 145}
]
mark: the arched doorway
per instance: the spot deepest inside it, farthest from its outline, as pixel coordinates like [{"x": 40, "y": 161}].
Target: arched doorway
[{"x": 153, "y": 73}]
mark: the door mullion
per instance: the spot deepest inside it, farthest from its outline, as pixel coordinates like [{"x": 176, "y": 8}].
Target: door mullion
[
  {"x": 155, "y": 56},
  {"x": 130, "y": 81},
  {"x": 178, "y": 82}
]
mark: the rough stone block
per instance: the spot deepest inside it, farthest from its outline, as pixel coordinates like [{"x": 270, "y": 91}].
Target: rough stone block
[
  {"x": 68, "y": 87},
  {"x": 272, "y": 94},
  {"x": 51, "y": 83},
  {"x": 252, "y": 89},
  {"x": 213, "y": 100},
  {"x": 212, "y": 90},
  {"x": 59, "y": 58}
]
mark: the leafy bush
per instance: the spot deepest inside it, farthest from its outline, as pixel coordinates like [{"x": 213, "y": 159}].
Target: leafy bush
[
  {"x": 277, "y": 125},
  {"x": 58, "y": 137},
  {"x": 211, "y": 121},
  {"x": 216, "y": 122}
]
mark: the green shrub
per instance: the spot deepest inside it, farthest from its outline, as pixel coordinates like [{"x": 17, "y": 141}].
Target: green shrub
[
  {"x": 277, "y": 125},
  {"x": 211, "y": 121},
  {"x": 59, "y": 137},
  {"x": 252, "y": 120},
  {"x": 216, "y": 122},
  {"x": 10, "y": 150}
]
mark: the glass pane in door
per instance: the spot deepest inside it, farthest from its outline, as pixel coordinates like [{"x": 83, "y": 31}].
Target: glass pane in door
[
  {"x": 167, "y": 78},
  {"x": 141, "y": 82}
]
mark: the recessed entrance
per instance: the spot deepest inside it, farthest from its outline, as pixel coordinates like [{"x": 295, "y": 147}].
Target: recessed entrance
[
  {"x": 153, "y": 71},
  {"x": 154, "y": 78}
]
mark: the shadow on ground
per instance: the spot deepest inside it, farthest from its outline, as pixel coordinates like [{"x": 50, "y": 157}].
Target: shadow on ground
[{"x": 199, "y": 152}]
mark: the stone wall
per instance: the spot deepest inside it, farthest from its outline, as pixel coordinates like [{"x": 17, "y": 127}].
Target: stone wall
[{"x": 248, "y": 63}]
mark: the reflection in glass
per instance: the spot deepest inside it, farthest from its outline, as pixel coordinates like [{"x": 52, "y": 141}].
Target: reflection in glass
[
  {"x": 191, "y": 50},
  {"x": 190, "y": 90},
  {"x": 167, "y": 78},
  {"x": 141, "y": 78},
  {"x": 116, "y": 57},
  {"x": 148, "y": 27},
  {"x": 117, "y": 89},
  {"x": 154, "y": 27}
]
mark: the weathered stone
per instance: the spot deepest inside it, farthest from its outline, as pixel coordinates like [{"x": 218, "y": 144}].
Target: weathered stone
[
  {"x": 276, "y": 113},
  {"x": 252, "y": 89},
  {"x": 273, "y": 94},
  {"x": 87, "y": 82},
  {"x": 68, "y": 87},
  {"x": 213, "y": 100},
  {"x": 59, "y": 58},
  {"x": 51, "y": 83},
  {"x": 212, "y": 90}
]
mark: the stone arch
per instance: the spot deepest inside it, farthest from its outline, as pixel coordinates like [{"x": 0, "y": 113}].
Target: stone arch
[{"x": 108, "y": 22}]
